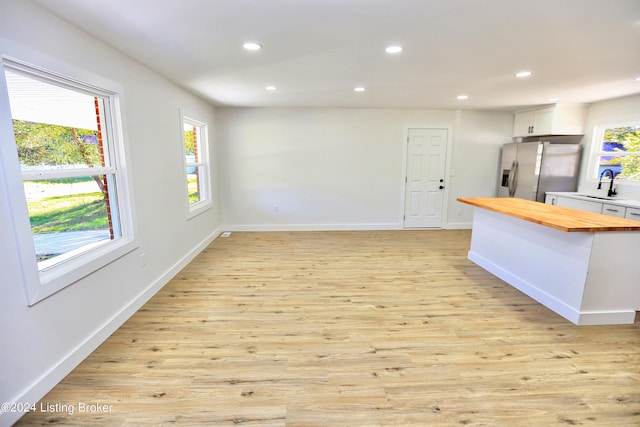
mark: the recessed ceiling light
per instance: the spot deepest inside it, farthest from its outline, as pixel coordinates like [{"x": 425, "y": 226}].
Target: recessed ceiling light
[
  {"x": 252, "y": 46},
  {"x": 393, "y": 49},
  {"x": 523, "y": 74},
  {"x": 553, "y": 99},
  {"x": 462, "y": 97},
  {"x": 638, "y": 79},
  {"x": 271, "y": 88},
  {"x": 359, "y": 89}
]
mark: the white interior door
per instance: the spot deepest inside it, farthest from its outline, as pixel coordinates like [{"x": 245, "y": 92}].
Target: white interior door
[{"x": 425, "y": 182}]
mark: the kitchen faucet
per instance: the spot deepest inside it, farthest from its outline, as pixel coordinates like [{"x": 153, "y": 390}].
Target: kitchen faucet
[{"x": 611, "y": 191}]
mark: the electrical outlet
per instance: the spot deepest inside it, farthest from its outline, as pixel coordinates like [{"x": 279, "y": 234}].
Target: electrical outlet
[{"x": 143, "y": 260}]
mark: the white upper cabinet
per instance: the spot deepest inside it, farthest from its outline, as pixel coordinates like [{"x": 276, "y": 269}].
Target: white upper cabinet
[{"x": 559, "y": 119}]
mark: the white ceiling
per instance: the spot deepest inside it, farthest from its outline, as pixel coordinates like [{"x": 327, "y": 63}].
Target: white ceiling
[{"x": 316, "y": 51}]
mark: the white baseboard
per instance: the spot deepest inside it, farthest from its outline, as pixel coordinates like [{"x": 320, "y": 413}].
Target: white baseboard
[
  {"x": 458, "y": 226},
  {"x": 315, "y": 227},
  {"x": 57, "y": 373},
  {"x": 607, "y": 317},
  {"x": 339, "y": 227}
]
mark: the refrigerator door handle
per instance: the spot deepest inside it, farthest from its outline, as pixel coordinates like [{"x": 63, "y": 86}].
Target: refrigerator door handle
[
  {"x": 516, "y": 171},
  {"x": 510, "y": 180},
  {"x": 513, "y": 178}
]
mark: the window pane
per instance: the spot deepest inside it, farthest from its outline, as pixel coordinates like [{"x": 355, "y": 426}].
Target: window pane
[
  {"x": 68, "y": 214},
  {"x": 609, "y": 162},
  {"x": 193, "y": 184},
  {"x": 623, "y": 141},
  {"x": 612, "y": 146},
  {"x": 55, "y": 127},
  {"x": 44, "y": 147},
  {"x": 191, "y": 141},
  {"x": 630, "y": 166},
  {"x": 195, "y": 161}
]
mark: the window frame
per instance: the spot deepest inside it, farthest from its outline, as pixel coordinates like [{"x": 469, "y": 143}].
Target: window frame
[
  {"x": 40, "y": 284},
  {"x": 596, "y": 152},
  {"x": 203, "y": 164}
]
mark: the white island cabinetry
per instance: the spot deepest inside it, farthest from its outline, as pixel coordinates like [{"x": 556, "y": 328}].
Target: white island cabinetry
[{"x": 561, "y": 257}]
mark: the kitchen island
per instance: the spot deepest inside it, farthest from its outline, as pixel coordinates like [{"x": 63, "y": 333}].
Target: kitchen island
[{"x": 584, "y": 266}]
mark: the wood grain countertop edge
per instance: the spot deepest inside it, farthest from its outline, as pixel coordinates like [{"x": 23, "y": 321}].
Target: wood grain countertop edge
[{"x": 556, "y": 217}]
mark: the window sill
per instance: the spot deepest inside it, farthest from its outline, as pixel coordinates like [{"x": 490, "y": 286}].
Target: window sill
[
  {"x": 55, "y": 279},
  {"x": 198, "y": 208}
]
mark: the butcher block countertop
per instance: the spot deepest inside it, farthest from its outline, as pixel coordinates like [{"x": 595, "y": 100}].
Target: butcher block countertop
[{"x": 560, "y": 218}]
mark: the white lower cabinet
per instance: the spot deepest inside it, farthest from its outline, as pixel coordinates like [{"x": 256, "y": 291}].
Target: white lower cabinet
[
  {"x": 583, "y": 205},
  {"x": 614, "y": 210},
  {"x": 594, "y": 206},
  {"x": 633, "y": 213}
]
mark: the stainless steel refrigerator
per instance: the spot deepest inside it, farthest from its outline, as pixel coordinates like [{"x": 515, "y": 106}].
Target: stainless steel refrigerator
[{"x": 529, "y": 169}]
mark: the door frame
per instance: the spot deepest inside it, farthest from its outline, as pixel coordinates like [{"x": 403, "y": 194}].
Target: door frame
[{"x": 447, "y": 172}]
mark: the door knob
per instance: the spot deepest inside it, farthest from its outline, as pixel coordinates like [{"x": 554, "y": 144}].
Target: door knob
[
  {"x": 441, "y": 180},
  {"x": 441, "y": 187}
]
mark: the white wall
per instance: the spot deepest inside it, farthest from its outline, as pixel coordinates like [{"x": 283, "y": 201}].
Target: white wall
[
  {"x": 315, "y": 168},
  {"x": 614, "y": 111},
  {"x": 39, "y": 345},
  {"x": 281, "y": 168}
]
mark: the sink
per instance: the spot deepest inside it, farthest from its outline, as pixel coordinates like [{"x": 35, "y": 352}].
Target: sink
[{"x": 596, "y": 197}]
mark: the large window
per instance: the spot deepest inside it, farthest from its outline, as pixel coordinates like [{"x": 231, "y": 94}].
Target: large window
[
  {"x": 617, "y": 148},
  {"x": 196, "y": 163},
  {"x": 70, "y": 167}
]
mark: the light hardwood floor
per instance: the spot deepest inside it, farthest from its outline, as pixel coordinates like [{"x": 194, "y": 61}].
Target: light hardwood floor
[{"x": 385, "y": 328}]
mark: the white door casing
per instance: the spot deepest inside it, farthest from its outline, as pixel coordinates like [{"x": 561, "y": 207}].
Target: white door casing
[{"x": 425, "y": 186}]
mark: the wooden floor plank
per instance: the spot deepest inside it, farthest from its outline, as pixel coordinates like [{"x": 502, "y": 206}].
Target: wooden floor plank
[{"x": 380, "y": 328}]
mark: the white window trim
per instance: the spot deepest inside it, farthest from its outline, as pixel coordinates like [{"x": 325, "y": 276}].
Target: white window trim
[
  {"x": 195, "y": 209},
  {"x": 595, "y": 153},
  {"x": 39, "y": 285}
]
